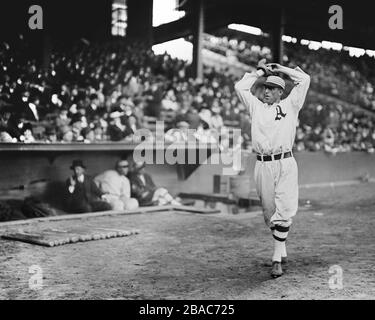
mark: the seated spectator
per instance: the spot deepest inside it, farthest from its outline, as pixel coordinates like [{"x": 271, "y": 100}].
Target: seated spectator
[
  {"x": 51, "y": 135},
  {"x": 116, "y": 186},
  {"x": 27, "y": 133},
  {"x": 76, "y": 125},
  {"x": 66, "y": 134},
  {"x": 216, "y": 119},
  {"x": 169, "y": 102},
  {"x": 193, "y": 118},
  {"x": 62, "y": 118},
  {"x": 6, "y": 138},
  {"x": 88, "y": 135},
  {"x": 144, "y": 189},
  {"x": 178, "y": 135},
  {"x": 82, "y": 193},
  {"x": 117, "y": 131},
  {"x": 9, "y": 131},
  {"x": 132, "y": 123},
  {"x": 98, "y": 132}
]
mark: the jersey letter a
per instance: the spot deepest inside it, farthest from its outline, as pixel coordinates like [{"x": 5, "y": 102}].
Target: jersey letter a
[{"x": 279, "y": 113}]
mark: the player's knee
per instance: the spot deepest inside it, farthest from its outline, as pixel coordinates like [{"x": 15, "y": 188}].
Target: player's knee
[
  {"x": 117, "y": 205},
  {"x": 131, "y": 204}
]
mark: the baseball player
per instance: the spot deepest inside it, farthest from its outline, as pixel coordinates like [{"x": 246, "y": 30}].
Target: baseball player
[{"x": 273, "y": 129}]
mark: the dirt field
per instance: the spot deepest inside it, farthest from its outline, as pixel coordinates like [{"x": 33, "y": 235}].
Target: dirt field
[{"x": 222, "y": 256}]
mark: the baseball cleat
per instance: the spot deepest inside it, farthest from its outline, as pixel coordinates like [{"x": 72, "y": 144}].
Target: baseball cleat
[{"x": 276, "y": 271}]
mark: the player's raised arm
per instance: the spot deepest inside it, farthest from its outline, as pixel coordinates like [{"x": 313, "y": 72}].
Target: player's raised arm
[
  {"x": 301, "y": 80},
  {"x": 243, "y": 87}
]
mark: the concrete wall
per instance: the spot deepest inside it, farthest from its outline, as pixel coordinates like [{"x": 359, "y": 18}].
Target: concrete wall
[
  {"x": 20, "y": 168},
  {"x": 314, "y": 168}
]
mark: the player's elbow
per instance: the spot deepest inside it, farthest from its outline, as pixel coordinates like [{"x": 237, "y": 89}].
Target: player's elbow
[
  {"x": 238, "y": 87},
  {"x": 306, "y": 79}
]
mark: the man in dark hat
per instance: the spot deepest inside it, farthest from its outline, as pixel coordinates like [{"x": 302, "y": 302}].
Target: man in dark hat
[{"x": 82, "y": 193}]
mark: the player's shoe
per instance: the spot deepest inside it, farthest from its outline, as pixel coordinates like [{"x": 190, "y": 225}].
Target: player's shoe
[{"x": 276, "y": 271}]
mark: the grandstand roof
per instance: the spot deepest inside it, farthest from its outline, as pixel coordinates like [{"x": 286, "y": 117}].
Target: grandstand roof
[{"x": 304, "y": 19}]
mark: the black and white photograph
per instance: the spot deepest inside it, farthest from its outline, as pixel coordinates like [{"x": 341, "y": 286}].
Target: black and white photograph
[{"x": 187, "y": 150}]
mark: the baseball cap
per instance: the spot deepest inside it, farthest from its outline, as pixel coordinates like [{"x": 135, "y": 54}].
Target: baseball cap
[{"x": 275, "y": 81}]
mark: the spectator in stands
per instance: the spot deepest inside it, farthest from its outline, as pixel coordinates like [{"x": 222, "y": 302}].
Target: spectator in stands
[
  {"x": 76, "y": 127},
  {"x": 169, "y": 102},
  {"x": 132, "y": 124},
  {"x": 66, "y": 134},
  {"x": 98, "y": 132},
  {"x": 116, "y": 186},
  {"x": 117, "y": 131},
  {"x": 230, "y": 114},
  {"x": 28, "y": 108},
  {"x": 94, "y": 79},
  {"x": 27, "y": 133},
  {"x": 51, "y": 135},
  {"x": 9, "y": 131},
  {"x": 193, "y": 118},
  {"x": 82, "y": 193},
  {"x": 62, "y": 118},
  {"x": 216, "y": 119},
  {"x": 179, "y": 134},
  {"x": 144, "y": 189}
]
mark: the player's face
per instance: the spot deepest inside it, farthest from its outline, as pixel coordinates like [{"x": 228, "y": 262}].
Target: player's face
[
  {"x": 78, "y": 171},
  {"x": 123, "y": 167},
  {"x": 272, "y": 94}
]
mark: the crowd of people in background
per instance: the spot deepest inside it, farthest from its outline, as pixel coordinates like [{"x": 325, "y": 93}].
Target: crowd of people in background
[
  {"x": 332, "y": 72},
  {"x": 92, "y": 93}
]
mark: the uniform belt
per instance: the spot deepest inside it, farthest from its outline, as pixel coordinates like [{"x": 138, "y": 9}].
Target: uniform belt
[{"x": 275, "y": 156}]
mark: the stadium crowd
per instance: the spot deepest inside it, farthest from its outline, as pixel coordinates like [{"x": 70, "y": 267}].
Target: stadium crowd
[
  {"x": 105, "y": 92},
  {"x": 335, "y": 73}
]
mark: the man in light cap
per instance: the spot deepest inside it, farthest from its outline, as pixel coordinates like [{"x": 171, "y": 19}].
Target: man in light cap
[
  {"x": 273, "y": 129},
  {"x": 116, "y": 187}
]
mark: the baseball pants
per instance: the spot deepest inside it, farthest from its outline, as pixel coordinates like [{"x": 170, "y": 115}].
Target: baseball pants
[{"x": 277, "y": 187}]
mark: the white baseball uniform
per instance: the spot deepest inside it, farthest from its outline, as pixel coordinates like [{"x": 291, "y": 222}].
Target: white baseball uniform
[{"x": 273, "y": 129}]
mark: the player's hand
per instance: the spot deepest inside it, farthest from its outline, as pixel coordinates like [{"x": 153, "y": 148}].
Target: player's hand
[
  {"x": 145, "y": 194},
  {"x": 274, "y": 67},
  {"x": 262, "y": 66}
]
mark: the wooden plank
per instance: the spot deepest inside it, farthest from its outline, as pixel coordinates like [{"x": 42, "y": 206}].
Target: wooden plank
[
  {"x": 208, "y": 197},
  {"x": 151, "y": 209},
  {"x": 51, "y": 238},
  {"x": 196, "y": 210},
  {"x": 29, "y": 238},
  {"x": 87, "y": 215}
]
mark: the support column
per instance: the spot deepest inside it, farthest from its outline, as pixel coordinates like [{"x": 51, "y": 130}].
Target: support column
[
  {"x": 140, "y": 21},
  {"x": 277, "y": 33},
  {"x": 198, "y": 29},
  {"x": 47, "y": 50}
]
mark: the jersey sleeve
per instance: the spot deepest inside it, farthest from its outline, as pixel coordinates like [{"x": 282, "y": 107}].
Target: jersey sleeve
[
  {"x": 243, "y": 90},
  {"x": 298, "y": 94}
]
